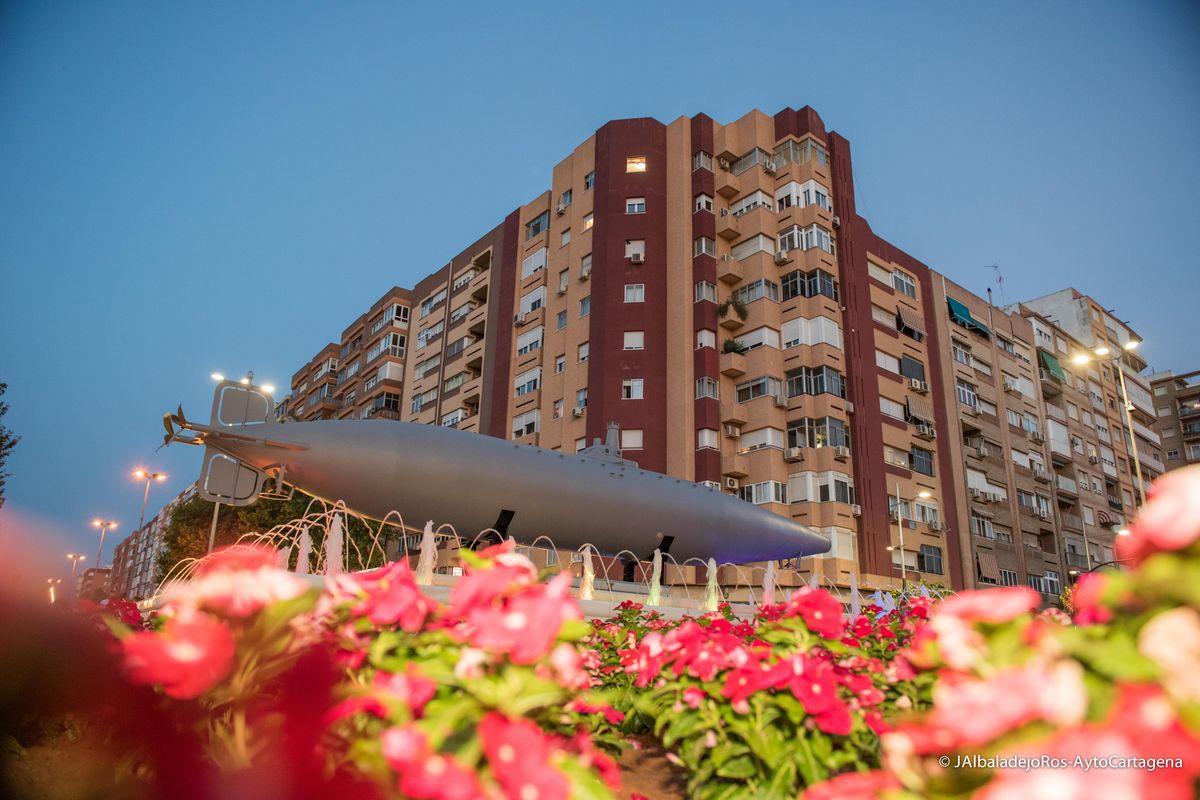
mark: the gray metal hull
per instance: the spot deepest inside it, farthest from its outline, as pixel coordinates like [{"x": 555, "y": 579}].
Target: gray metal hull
[{"x": 469, "y": 480}]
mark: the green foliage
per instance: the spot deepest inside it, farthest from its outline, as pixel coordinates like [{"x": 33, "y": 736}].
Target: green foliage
[{"x": 8, "y": 440}]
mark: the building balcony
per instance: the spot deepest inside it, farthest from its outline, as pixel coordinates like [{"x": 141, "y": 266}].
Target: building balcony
[
  {"x": 727, "y": 184},
  {"x": 1115, "y": 503},
  {"x": 1071, "y": 522},
  {"x": 727, "y": 225},
  {"x": 1191, "y": 430},
  {"x": 1051, "y": 385},
  {"x": 731, "y": 321},
  {"x": 1060, "y": 452},
  {"x": 733, "y": 365},
  {"x": 735, "y": 465},
  {"x": 729, "y": 270},
  {"x": 479, "y": 285},
  {"x": 1077, "y": 560},
  {"x": 1041, "y": 475},
  {"x": 1066, "y": 485},
  {"x": 1056, "y": 413}
]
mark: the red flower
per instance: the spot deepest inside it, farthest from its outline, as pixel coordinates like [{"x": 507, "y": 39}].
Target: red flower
[
  {"x": 822, "y": 613},
  {"x": 527, "y": 625},
  {"x": 238, "y": 558},
  {"x": 237, "y": 581},
  {"x": 836, "y": 719},
  {"x": 403, "y": 747},
  {"x": 394, "y": 598},
  {"x": 1086, "y": 599},
  {"x": 193, "y": 653},
  {"x": 440, "y": 778},
  {"x": 852, "y": 786},
  {"x": 482, "y": 587},
  {"x": 814, "y": 686},
  {"x": 591, "y": 756},
  {"x": 1169, "y": 521},
  {"x": 519, "y": 754},
  {"x": 994, "y": 606},
  {"x": 693, "y": 697},
  {"x": 411, "y": 688}
]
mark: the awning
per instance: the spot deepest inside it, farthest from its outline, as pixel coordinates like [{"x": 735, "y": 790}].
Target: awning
[
  {"x": 920, "y": 408},
  {"x": 988, "y": 568},
  {"x": 912, "y": 320},
  {"x": 1051, "y": 364},
  {"x": 962, "y": 315}
]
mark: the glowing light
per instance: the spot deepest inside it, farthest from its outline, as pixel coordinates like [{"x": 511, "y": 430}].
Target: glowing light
[
  {"x": 1102, "y": 351},
  {"x": 1081, "y": 358},
  {"x": 216, "y": 376},
  {"x": 268, "y": 388},
  {"x": 139, "y": 473},
  {"x": 244, "y": 381},
  {"x": 160, "y": 476},
  {"x": 1132, "y": 344},
  {"x": 1123, "y": 532},
  {"x": 924, "y": 494}
]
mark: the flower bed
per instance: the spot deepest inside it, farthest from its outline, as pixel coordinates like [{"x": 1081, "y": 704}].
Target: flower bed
[{"x": 369, "y": 688}]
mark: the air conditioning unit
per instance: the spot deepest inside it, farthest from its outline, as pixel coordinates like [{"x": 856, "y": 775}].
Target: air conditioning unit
[
  {"x": 793, "y": 454},
  {"x": 732, "y": 431},
  {"x": 519, "y": 319},
  {"x": 995, "y": 497},
  {"x": 577, "y": 411},
  {"x": 837, "y": 221},
  {"x": 561, "y": 209},
  {"x": 782, "y": 257},
  {"x": 724, "y": 212},
  {"x": 637, "y": 258},
  {"x": 1037, "y": 437},
  {"x": 975, "y": 493},
  {"x": 926, "y": 431},
  {"x": 584, "y": 274},
  {"x": 841, "y": 453},
  {"x": 934, "y": 525},
  {"x": 562, "y": 290},
  {"x": 918, "y": 385},
  {"x": 894, "y": 515},
  {"x": 856, "y": 509},
  {"x": 723, "y": 163},
  {"x": 769, "y": 167},
  {"x": 1093, "y": 459},
  {"x": 1043, "y": 514},
  {"x": 781, "y": 401},
  {"x": 732, "y": 483},
  {"x": 849, "y": 407},
  {"x": 983, "y": 451},
  {"x": 1011, "y": 387}
]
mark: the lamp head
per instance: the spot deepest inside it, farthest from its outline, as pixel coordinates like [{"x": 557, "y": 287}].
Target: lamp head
[
  {"x": 1101, "y": 351},
  {"x": 1132, "y": 344},
  {"x": 924, "y": 494},
  {"x": 216, "y": 376},
  {"x": 1082, "y": 358}
]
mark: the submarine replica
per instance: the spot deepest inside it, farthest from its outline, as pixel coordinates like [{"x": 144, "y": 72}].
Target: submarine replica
[{"x": 479, "y": 483}]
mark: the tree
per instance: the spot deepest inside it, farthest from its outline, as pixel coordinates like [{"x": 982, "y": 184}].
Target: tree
[
  {"x": 186, "y": 535},
  {"x": 8, "y": 440}
]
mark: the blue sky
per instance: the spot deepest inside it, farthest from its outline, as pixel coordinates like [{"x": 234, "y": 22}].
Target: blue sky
[{"x": 224, "y": 186}]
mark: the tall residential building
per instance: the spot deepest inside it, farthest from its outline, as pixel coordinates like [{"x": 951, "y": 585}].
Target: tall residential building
[
  {"x": 93, "y": 583},
  {"x": 135, "y": 560},
  {"x": 713, "y": 290},
  {"x": 1177, "y": 405}
]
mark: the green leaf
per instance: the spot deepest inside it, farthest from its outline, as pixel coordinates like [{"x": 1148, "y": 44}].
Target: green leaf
[{"x": 739, "y": 767}]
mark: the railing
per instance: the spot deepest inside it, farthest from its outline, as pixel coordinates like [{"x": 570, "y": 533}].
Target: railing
[
  {"x": 1072, "y": 522},
  {"x": 1115, "y": 504},
  {"x": 1056, "y": 413},
  {"x": 1066, "y": 484},
  {"x": 1077, "y": 560}
]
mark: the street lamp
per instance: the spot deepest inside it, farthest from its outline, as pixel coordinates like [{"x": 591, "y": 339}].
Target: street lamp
[
  {"x": 52, "y": 583},
  {"x": 924, "y": 494},
  {"x": 149, "y": 476},
  {"x": 75, "y": 559},
  {"x": 1105, "y": 353},
  {"x": 103, "y": 525}
]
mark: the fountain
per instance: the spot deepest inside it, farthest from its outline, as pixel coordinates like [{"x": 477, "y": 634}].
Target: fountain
[
  {"x": 306, "y": 546},
  {"x": 334, "y": 544},
  {"x": 654, "y": 598},
  {"x": 587, "y": 584},
  {"x": 711, "y": 592},
  {"x": 768, "y": 587},
  {"x": 428, "y": 557}
]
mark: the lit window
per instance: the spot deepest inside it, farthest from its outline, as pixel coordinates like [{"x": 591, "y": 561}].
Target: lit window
[
  {"x": 635, "y": 293},
  {"x": 631, "y": 389},
  {"x": 635, "y": 205},
  {"x": 635, "y": 340},
  {"x": 631, "y": 439},
  {"x": 587, "y": 222},
  {"x": 635, "y": 164}
]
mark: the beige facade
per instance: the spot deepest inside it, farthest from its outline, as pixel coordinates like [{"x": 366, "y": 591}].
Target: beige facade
[{"x": 1177, "y": 407}]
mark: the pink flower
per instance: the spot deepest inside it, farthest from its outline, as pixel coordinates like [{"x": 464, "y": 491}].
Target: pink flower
[
  {"x": 568, "y": 667},
  {"x": 814, "y": 685},
  {"x": 393, "y": 598},
  {"x": 440, "y": 778},
  {"x": 192, "y": 654},
  {"x": 1075, "y": 784},
  {"x": 693, "y": 697},
  {"x": 411, "y": 688},
  {"x": 993, "y": 606},
  {"x": 238, "y": 581},
  {"x": 1087, "y": 599},
  {"x": 482, "y": 587},
  {"x": 852, "y": 786},
  {"x": 528, "y": 624},
  {"x": 1169, "y": 521},
  {"x": 403, "y": 747},
  {"x": 836, "y": 719},
  {"x": 519, "y": 754},
  {"x": 1171, "y": 639},
  {"x": 470, "y": 663},
  {"x": 821, "y": 612}
]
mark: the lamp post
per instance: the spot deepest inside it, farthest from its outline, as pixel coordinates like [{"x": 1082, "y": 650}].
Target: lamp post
[
  {"x": 149, "y": 476},
  {"x": 1104, "y": 352},
  {"x": 924, "y": 495},
  {"x": 75, "y": 559},
  {"x": 103, "y": 525},
  {"x": 52, "y": 583}
]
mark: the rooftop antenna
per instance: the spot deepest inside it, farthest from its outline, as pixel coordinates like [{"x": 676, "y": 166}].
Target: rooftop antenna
[{"x": 999, "y": 282}]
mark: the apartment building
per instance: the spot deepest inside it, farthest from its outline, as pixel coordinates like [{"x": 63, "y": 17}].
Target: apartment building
[
  {"x": 1177, "y": 406},
  {"x": 135, "y": 560},
  {"x": 713, "y": 290},
  {"x": 93, "y": 582}
]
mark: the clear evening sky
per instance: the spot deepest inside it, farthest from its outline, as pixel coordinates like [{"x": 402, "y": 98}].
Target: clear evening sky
[{"x": 224, "y": 186}]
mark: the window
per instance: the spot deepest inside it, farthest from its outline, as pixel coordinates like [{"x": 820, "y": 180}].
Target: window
[
  {"x": 759, "y": 387},
  {"x": 892, "y": 409},
  {"x": 758, "y": 338},
  {"x": 581, "y": 398},
  {"x": 815, "y": 380},
  {"x": 809, "y": 284},
  {"x": 803, "y": 194},
  {"x": 911, "y": 368},
  {"x": 635, "y": 164},
  {"x": 580, "y": 444},
  {"x": 558, "y": 409},
  {"x": 419, "y": 401},
  {"x": 756, "y": 291},
  {"x": 525, "y": 424},
  {"x": 904, "y": 283},
  {"x": 966, "y": 393},
  {"x": 432, "y": 302},
  {"x": 708, "y": 439},
  {"x": 897, "y": 458},
  {"x": 583, "y": 352},
  {"x": 565, "y": 200},
  {"x": 922, "y": 460},
  {"x": 706, "y": 291},
  {"x": 561, "y": 320},
  {"x": 588, "y": 221},
  {"x": 929, "y": 559},
  {"x": 566, "y": 237},
  {"x": 540, "y": 223},
  {"x": 453, "y": 382},
  {"x": 585, "y": 306},
  {"x": 706, "y": 338},
  {"x": 635, "y": 205},
  {"x": 764, "y": 492},
  {"x": 589, "y": 180},
  {"x": 703, "y": 246},
  {"x": 883, "y": 316},
  {"x": 560, "y": 364},
  {"x": 760, "y": 243},
  {"x": 460, "y": 312},
  {"x": 797, "y": 238},
  {"x": 702, "y": 160},
  {"x": 635, "y": 340},
  {"x": 819, "y": 432},
  {"x": 631, "y": 439},
  {"x": 585, "y": 266},
  {"x": 887, "y": 362},
  {"x": 631, "y": 389},
  {"x": 820, "y": 487},
  {"x": 707, "y": 387},
  {"x": 635, "y": 293},
  {"x": 528, "y": 381},
  {"x": 750, "y": 202},
  {"x": 818, "y": 330},
  {"x": 1008, "y": 577},
  {"x": 529, "y": 341},
  {"x": 532, "y": 301},
  {"x": 982, "y": 527},
  {"x": 564, "y": 278},
  {"x": 429, "y": 334},
  {"x": 635, "y": 247},
  {"x": 704, "y": 203}
]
